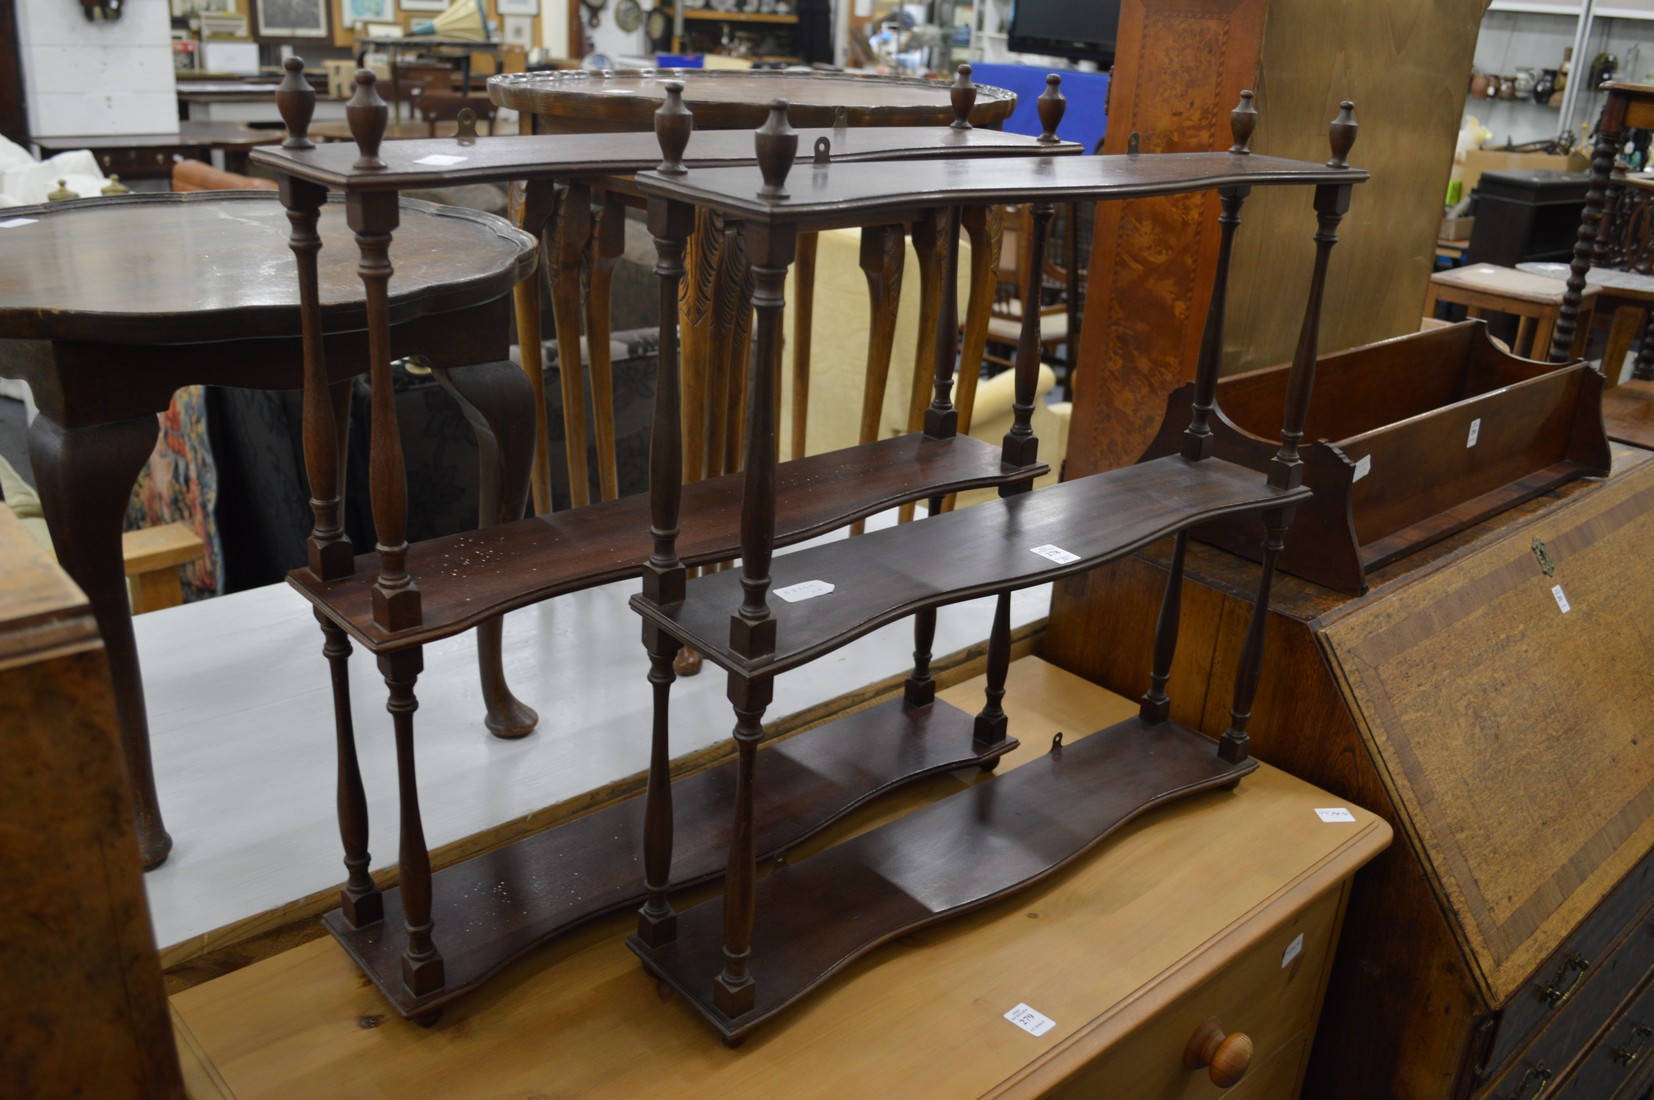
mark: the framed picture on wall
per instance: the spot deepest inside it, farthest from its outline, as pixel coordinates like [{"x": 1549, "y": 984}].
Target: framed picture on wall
[
  {"x": 518, "y": 31},
  {"x": 424, "y": 5},
  {"x": 292, "y": 19},
  {"x": 518, "y": 7},
  {"x": 368, "y": 11}
]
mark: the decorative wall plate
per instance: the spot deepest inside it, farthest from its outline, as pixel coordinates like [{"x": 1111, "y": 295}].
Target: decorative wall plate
[{"x": 659, "y": 25}]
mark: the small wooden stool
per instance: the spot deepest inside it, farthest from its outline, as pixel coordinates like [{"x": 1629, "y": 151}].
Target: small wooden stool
[
  {"x": 1534, "y": 299},
  {"x": 152, "y": 556}
]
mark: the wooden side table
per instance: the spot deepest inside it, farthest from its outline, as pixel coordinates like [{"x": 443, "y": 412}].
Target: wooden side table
[
  {"x": 1535, "y": 299},
  {"x": 716, "y": 332},
  {"x": 109, "y": 305},
  {"x": 1228, "y": 905},
  {"x": 1628, "y": 409}
]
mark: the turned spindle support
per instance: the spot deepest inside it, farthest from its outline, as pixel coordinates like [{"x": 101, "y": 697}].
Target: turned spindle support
[
  {"x": 664, "y": 575},
  {"x": 422, "y": 966},
  {"x": 296, "y": 102},
  {"x": 1332, "y": 200},
  {"x": 657, "y": 923},
  {"x": 1051, "y": 105},
  {"x": 734, "y": 990},
  {"x": 962, "y": 95},
  {"x": 373, "y": 217},
  {"x": 1157, "y": 705},
  {"x": 772, "y": 247},
  {"x": 359, "y": 898},
  {"x": 1197, "y": 438},
  {"x": 991, "y": 722},
  {"x": 1235, "y": 744},
  {"x": 1021, "y": 447},
  {"x": 1589, "y": 240},
  {"x": 942, "y": 417}
]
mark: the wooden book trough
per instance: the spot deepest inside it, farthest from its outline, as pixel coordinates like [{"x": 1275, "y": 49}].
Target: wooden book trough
[{"x": 1418, "y": 437}]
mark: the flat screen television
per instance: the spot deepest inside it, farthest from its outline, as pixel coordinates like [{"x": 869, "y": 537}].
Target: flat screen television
[{"x": 1080, "y": 30}]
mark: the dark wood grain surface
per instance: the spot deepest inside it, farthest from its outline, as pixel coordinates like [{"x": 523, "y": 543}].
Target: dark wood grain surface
[
  {"x": 735, "y": 99},
  {"x": 510, "y": 900},
  {"x": 210, "y": 135},
  {"x": 1628, "y": 411},
  {"x": 865, "y": 192},
  {"x": 469, "y": 577},
  {"x": 885, "y": 575},
  {"x": 550, "y": 156},
  {"x": 955, "y": 855},
  {"x": 1419, "y": 436},
  {"x": 214, "y": 265}
]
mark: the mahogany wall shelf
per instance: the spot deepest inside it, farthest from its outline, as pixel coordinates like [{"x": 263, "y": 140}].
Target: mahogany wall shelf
[
  {"x": 982, "y": 550},
  {"x": 1418, "y": 437},
  {"x": 469, "y": 578},
  {"x": 515, "y": 898},
  {"x": 742, "y": 958},
  {"x": 395, "y": 600}
]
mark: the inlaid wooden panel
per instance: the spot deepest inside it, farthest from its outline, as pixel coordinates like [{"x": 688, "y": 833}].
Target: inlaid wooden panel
[
  {"x": 81, "y": 994},
  {"x": 1532, "y": 790},
  {"x": 1179, "y": 70}
]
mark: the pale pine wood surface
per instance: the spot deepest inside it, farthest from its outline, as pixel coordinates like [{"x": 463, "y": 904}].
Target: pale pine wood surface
[{"x": 1132, "y": 926}]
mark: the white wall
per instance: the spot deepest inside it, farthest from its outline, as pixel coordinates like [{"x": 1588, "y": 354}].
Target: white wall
[{"x": 97, "y": 78}]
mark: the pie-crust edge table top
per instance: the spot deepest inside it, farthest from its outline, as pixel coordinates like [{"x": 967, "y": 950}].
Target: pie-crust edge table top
[{"x": 734, "y": 99}]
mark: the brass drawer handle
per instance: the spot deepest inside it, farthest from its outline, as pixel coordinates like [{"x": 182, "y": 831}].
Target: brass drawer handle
[
  {"x": 1538, "y": 1074},
  {"x": 1226, "y": 1058},
  {"x": 1557, "y": 993},
  {"x": 1628, "y": 1055}
]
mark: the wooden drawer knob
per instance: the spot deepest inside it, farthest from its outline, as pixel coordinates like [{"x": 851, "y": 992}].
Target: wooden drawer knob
[{"x": 1226, "y": 1057}]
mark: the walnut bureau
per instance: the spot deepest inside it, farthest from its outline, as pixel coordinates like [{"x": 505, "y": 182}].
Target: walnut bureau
[{"x": 1488, "y": 697}]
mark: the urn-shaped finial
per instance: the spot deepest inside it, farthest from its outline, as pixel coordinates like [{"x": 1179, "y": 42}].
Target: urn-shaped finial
[
  {"x": 368, "y": 116},
  {"x": 963, "y": 96},
  {"x": 777, "y": 144},
  {"x": 1052, "y": 105},
  {"x": 1242, "y": 121},
  {"x": 1341, "y": 135},
  {"x": 296, "y": 101},
  {"x": 673, "y": 125}
]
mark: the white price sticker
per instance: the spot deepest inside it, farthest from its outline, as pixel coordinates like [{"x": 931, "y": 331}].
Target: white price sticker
[
  {"x": 1363, "y": 468},
  {"x": 1475, "y": 433},
  {"x": 1334, "y": 813},
  {"x": 1561, "y": 599},
  {"x": 803, "y": 590},
  {"x": 15, "y": 223},
  {"x": 1055, "y": 553},
  {"x": 1032, "y": 1022},
  {"x": 439, "y": 160},
  {"x": 1293, "y": 950}
]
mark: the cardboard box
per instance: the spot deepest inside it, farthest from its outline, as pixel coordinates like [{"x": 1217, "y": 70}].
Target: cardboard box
[
  {"x": 1456, "y": 229},
  {"x": 1478, "y": 161}
]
